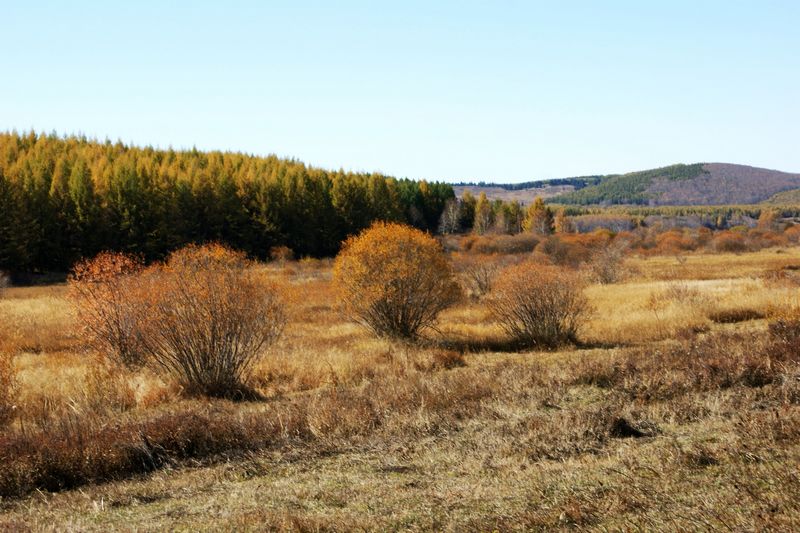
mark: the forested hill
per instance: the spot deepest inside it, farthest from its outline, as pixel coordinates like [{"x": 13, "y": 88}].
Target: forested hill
[
  {"x": 63, "y": 198},
  {"x": 697, "y": 184}
]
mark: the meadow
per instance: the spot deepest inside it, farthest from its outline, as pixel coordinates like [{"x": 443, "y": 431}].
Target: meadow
[{"x": 676, "y": 409}]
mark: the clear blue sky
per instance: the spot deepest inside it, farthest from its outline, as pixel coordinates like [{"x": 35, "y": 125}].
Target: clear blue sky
[{"x": 505, "y": 91}]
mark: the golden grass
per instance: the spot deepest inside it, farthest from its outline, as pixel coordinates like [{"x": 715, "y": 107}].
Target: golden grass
[
  {"x": 640, "y": 312},
  {"x": 386, "y": 438},
  {"x": 713, "y": 266}
]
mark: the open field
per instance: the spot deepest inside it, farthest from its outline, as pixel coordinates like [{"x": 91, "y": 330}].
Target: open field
[{"x": 678, "y": 410}]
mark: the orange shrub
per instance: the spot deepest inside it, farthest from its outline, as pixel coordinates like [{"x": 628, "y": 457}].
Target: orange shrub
[
  {"x": 102, "y": 294},
  {"x": 760, "y": 238},
  {"x": 208, "y": 318},
  {"x": 558, "y": 251},
  {"x": 675, "y": 241},
  {"x": 792, "y": 233},
  {"x": 729, "y": 241},
  {"x": 539, "y": 305},
  {"x": 521, "y": 243},
  {"x": 395, "y": 280}
]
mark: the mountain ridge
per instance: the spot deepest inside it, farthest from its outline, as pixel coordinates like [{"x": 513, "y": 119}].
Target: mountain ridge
[{"x": 679, "y": 185}]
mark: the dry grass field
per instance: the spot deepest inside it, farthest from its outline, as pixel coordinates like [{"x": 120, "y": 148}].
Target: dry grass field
[{"x": 679, "y": 409}]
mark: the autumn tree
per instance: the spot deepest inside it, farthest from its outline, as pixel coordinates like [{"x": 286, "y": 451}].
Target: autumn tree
[
  {"x": 394, "y": 280},
  {"x": 67, "y": 198},
  {"x": 483, "y": 215},
  {"x": 539, "y": 218},
  {"x": 450, "y": 221},
  {"x": 562, "y": 223}
]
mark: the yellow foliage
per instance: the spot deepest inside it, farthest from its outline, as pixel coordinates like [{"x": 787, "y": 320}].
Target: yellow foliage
[{"x": 394, "y": 280}]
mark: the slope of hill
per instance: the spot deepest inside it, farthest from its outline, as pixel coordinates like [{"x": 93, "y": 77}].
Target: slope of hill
[
  {"x": 696, "y": 184},
  {"x": 526, "y": 192},
  {"x": 790, "y": 197},
  {"x": 523, "y": 196}
]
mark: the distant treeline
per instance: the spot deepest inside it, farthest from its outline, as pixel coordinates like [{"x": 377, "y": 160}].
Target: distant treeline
[
  {"x": 578, "y": 183},
  {"x": 724, "y": 212},
  {"x": 64, "y": 198}
]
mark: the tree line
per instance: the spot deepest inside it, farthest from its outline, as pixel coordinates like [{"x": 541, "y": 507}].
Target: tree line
[{"x": 63, "y": 198}]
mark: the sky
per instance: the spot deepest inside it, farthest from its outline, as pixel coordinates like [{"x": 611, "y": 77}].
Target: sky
[{"x": 442, "y": 90}]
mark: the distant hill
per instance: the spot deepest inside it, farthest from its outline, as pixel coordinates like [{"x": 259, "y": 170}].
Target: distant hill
[
  {"x": 695, "y": 184},
  {"x": 790, "y": 197},
  {"x": 527, "y": 192}
]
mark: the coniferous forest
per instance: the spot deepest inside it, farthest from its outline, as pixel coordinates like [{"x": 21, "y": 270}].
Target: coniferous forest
[{"x": 64, "y": 198}]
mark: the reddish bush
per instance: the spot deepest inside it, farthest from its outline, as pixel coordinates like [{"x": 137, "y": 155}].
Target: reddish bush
[
  {"x": 105, "y": 295},
  {"x": 729, "y": 241},
  {"x": 792, "y": 234},
  {"x": 674, "y": 241},
  {"x": 558, "y": 251}
]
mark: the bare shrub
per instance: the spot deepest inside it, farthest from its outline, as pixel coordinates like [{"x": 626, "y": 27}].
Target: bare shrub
[
  {"x": 539, "y": 305},
  {"x": 521, "y": 243},
  {"x": 103, "y": 292},
  {"x": 8, "y": 388},
  {"x": 683, "y": 293},
  {"x": 394, "y": 280},
  {"x": 605, "y": 267},
  {"x": 477, "y": 273},
  {"x": 207, "y": 319}
]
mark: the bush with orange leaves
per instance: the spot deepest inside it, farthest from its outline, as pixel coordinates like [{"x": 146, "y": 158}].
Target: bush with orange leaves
[
  {"x": 203, "y": 317},
  {"x": 209, "y": 318},
  {"x": 539, "y": 305},
  {"x": 395, "y": 280},
  {"x": 105, "y": 295}
]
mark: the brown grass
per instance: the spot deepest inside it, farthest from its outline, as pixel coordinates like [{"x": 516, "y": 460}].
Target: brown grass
[{"x": 674, "y": 422}]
